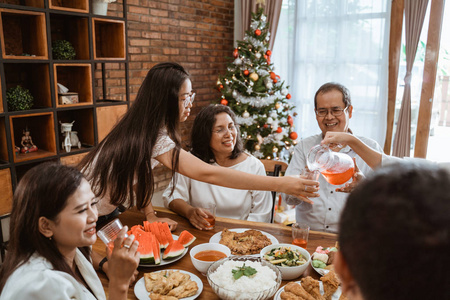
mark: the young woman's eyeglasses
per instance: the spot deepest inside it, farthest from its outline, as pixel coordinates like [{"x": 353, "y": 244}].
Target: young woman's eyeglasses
[
  {"x": 224, "y": 130},
  {"x": 335, "y": 111},
  {"x": 189, "y": 99}
]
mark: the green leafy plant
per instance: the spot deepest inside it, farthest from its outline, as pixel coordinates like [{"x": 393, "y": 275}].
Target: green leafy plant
[
  {"x": 63, "y": 49},
  {"x": 243, "y": 271},
  {"x": 19, "y": 98}
]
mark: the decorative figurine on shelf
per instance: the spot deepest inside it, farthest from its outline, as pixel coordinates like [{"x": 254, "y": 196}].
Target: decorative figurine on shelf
[
  {"x": 71, "y": 136},
  {"x": 27, "y": 142}
]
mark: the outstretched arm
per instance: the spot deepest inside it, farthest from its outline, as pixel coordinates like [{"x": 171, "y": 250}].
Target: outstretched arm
[
  {"x": 369, "y": 155},
  {"x": 192, "y": 167}
]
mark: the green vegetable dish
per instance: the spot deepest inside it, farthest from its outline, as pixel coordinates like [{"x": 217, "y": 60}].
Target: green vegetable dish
[{"x": 285, "y": 257}]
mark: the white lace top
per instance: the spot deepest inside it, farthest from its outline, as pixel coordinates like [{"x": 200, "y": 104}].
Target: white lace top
[{"x": 163, "y": 145}]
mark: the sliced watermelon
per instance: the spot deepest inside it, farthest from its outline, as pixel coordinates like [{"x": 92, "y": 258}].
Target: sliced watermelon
[
  {"x": 155, "y": 230},
  {"x": 146, "y": 247},
  {"x": 186, "y": 238},
  {"x": 156, "y": 250},
  {"x": 164, "y": 241},
  {"x": 174, "y": 249},
  {"x": 164, "y": 228},
  {"x": 147, "y": 226}
]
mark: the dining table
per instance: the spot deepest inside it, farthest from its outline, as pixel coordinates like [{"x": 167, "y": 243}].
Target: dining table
[{"x": 281, "y": 232}]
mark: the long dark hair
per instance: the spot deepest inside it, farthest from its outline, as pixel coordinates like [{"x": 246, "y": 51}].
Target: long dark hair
[
  {"x": 42, "y": 192},
  {"x": 125, "y": 154},
  {"x": 202, "y": 132}
]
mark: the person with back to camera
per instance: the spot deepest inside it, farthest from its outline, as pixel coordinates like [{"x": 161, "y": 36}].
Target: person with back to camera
[
  {"x": 120, "y": 167},
  {"x": 394, "y": 235},
  {"x": 333, "y": 109},
  {"x": 51, "y": 231},
  {"x": 215, "y": 139}
]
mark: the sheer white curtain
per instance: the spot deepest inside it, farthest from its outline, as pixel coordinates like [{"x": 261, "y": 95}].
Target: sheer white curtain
[{"x": 345, "y": 41}]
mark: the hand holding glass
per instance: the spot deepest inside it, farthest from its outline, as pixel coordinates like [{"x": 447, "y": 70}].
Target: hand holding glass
[
  {"x": 210, "y": 210},
  {"x": 109, "y": 232}
]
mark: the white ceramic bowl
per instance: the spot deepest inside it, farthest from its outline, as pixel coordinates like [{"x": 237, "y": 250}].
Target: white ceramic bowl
[
  {"x": 235, "y": 294},
  {"x": 289, "y": 273},
  {"x": 202, "y": 266}
]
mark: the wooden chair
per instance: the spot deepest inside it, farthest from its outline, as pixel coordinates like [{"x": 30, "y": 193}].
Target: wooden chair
[{"x": 274, "y": 168}]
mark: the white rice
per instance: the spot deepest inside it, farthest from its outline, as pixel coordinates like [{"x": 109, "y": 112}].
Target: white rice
[{"x": 265, "y": 277}]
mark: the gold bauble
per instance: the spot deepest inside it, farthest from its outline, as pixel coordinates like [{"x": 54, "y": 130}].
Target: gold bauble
[
  {"x": 257, "y": 147},
  {"x": 277, "y": 105},
  {"x": 253, "y": 76}
]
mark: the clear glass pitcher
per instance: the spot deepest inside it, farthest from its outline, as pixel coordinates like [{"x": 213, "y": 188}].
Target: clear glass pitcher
[{"x": 337, "y": 168}]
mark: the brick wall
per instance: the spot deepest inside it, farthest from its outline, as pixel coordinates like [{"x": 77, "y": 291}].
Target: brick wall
[{"x": 196, "y": 34}]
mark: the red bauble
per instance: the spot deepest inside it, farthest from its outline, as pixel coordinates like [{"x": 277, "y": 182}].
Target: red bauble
[
  {"x": 290, "y": 120},
  {"x": 279, "y": 130},
  {"x": 257, "y": 32},
  {"x": 288, "y": 96},
  {"x": 269, "y": 53},
  {"x": 272, "y": 75},
  {"x": 246, "y": 72},
  {"x": 224, "y": 102},
  {"x": 265, "y": 125},
  {"x": 275, "y": 81},
  {"x": 293, "y": 135},
  {"x": 221, "y": 86},
  {"x": 235, "y": 53},
  {"x": 265, "y": 56}
]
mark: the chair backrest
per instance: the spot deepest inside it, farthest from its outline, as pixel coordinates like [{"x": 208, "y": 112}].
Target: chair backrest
[{"x": 274, "y": 168}]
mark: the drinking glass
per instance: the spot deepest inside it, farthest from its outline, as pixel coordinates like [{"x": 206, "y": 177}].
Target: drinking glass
[
  {"x": 210, "y": 210},
  {"x": 300, "y": 234},
  {"x": 109, "y": 232}
]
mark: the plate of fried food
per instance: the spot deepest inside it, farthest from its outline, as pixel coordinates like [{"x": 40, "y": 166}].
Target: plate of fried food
[
  {"x": 168, "y": 285},
  {"x": 308, "y": 288},
  {"x": 244, "y": 241}
]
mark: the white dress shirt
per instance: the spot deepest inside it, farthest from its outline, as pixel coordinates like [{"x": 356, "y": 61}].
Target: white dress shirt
[
  {"x": 36, "y": 279},
  {"x": 230, "y": 203},
  {"x": 324, "y": 214}
]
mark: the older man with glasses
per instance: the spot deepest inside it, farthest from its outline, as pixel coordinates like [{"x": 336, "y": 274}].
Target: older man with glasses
[{"x": 333, "y": 109}]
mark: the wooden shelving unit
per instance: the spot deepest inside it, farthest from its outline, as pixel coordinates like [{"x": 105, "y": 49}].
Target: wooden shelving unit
[
  {"x": 23, "y": 34},
  {"x": 98, "y": 75}
]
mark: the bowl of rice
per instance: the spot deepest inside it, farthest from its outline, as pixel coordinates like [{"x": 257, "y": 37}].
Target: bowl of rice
[{"x": 243, "y": 277}]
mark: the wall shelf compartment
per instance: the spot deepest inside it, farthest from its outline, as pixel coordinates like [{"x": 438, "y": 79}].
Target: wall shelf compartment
[
  {"x": 109, "y": 39},
  {"x": 73, "y": 29},
  {"x": 41, "y": 128},
  {"x": 33, "y": 76},
  {"x": 23, "y": 34},
  {"x": 70, "y": 5},
  {"x": 84, "y": 126},
  {"x": 6, "y": 193},
  {"x": 77, "y": 78}
]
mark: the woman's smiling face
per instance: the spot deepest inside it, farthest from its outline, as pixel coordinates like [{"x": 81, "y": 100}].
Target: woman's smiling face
[{"x": 224, "y": 133}]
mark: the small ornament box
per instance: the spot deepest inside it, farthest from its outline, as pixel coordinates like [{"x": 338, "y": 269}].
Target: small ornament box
[{"x": 68, "y": 98}]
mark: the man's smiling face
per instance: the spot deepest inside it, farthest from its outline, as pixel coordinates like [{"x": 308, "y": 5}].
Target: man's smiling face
[{"x": 332, "y": 101}]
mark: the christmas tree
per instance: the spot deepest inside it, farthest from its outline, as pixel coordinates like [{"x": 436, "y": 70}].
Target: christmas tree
[{"x": 258, "y": 97}]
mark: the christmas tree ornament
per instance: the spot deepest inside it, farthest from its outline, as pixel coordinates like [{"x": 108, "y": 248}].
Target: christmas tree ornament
[
  {"x": 273, "y": 75},
  {"x": 218, "y": 82},
  {"x": 267, "y": 38},
  {"x": 221, "y": 86},
  {"x": 258, "y": 55},
  {"x": 288, "y": 96},
  {"x": 275, "y": 150},
  {"x": 245, "y": 114},
  {"x": 293, "y": 135},
  {"x": 246, "y": 72},
  {"x": 279, "y": 130},
  {"x": 238, "y": 61},
  {"x": 251, "y": 83},
  {"x": 257, "y": 32},
  {"x": 254, "y": 76},
  {"x": 269, "y": 85},
  {"x": 224, "y": 102},
  {"x": 249, "y": 90},
  {"x": 269, "y": 120},
  {"x": 274, "y": 115},
  {"x": 290, "y": 120},
  {"x": 277, "y": 105},
  {"x": 265, "y": 125},
  {"x": 235, "y": 53},
  {"x": 257, "y": 147},
  {"x": 278, "y": 136},
  {"x": 268, "y": 53},
  {"x": 234, "y": 94},
  {"x": 275, "y": 81},
  {"x": 284, "y": 92}
]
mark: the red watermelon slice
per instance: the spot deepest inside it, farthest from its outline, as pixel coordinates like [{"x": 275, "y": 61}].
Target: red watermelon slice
[
  {"x": 174, "y": 249},
  {"x": 186, "y": 238}
]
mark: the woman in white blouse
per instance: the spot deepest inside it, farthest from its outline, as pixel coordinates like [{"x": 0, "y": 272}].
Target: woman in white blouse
[
  {"x": 52, "y": 228},
  {"x": 216, "y": 140}
]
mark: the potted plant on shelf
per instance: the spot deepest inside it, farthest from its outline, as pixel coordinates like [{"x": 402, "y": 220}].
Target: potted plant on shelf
[
  {"x": 19, "y": 98},
  {"x": 63, "y": 49},
  {"x": 100, "y": 7}
]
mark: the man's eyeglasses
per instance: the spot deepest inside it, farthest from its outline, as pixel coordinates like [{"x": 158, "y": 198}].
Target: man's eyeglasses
[
  {"x": 189, "y": 99},
  {"x": 335, "y": 111},
  {"x": 224, "y": 130}
]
